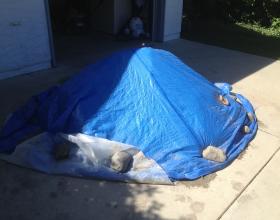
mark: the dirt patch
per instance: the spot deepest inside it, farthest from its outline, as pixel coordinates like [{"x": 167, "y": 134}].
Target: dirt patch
[
  {"x": 203, "y": 182},
  {"x": 245, "y": 198},
  {"x": 261, "y": 124},
  {"x": 197, "y": 207},
  {"x": 237, "y": 186}
]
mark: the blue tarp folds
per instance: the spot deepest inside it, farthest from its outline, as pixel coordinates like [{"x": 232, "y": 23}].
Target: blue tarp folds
[{"x": 146, "y": 98}]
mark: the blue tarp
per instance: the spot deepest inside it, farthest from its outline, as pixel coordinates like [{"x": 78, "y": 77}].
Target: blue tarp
[{"x": 146, "y": 98}]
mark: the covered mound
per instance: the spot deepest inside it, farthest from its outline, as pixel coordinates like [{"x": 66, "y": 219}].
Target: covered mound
[{"x": 143, "y": 99}]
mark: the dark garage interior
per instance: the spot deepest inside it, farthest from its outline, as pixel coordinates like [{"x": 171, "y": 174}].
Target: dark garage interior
[{"x": 81, "y": 27}]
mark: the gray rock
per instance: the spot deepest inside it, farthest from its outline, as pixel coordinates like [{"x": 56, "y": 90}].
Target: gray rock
[
  {"x": 122, "y": 161},
  {"x": 214, "y": 154}
]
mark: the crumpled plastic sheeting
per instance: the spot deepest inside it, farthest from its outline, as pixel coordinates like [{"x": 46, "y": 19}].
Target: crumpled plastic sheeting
[
  {"x": 146, "y": 98},
  {"x": 88, "y": 157}
]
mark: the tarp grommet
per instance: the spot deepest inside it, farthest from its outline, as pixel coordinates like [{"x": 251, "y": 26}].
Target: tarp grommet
[{"x": 223, "y": 100}]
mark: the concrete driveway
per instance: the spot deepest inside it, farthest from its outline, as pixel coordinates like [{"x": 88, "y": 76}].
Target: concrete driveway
[{"x": 248, "y": 189}]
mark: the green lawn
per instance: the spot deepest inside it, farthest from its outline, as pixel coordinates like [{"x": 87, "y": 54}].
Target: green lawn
[{"x": 242, "y": 37}]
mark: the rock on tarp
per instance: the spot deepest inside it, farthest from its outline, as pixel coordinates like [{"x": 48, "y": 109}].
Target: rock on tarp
[{"x": 143, "y": 98}]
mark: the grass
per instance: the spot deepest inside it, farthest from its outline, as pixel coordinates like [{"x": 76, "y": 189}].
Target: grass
[
  {"x": 270, "y": 31},
  {"x": 242, "y": 37}
]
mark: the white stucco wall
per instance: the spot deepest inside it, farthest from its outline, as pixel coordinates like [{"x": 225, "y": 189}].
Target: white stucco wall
[
  {"x": 24, "y": 40},
  {"x": 172, "y": 19},
  {"x": 167, "y": 19}
]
